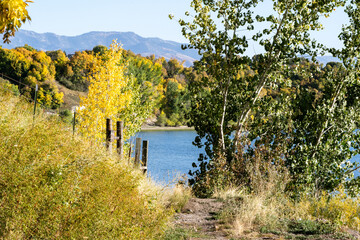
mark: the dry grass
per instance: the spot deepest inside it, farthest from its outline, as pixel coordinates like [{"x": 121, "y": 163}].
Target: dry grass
[
  {"x": 54, "y": 185},
  {"x": 265, "y": 205},
  {"x": 254, "y": 211},
  {"x": 173, "y": 196},
  {"x": 71, "y": 97},
  {"x": 268, "y": 209},
  {"x": 229, "y": 192},
  {"x": 177, "y": 196}
]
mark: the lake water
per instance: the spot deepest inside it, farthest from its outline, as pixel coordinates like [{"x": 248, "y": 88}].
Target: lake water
[{"x": 171, "y": 154}]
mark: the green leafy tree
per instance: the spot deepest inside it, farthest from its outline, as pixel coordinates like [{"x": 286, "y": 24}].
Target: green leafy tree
[
  {"x": 174, "y": 94},
  {"x": 62, "y": 68},
  {"x": 148, "y": 75},
  {"x": 326, "y": 124},
  {"x": 173, "y": 67},
  {"x": 224, "y": 99},
  {"x": 175, "y": 102},
  {"x": 100, "y": 49}
]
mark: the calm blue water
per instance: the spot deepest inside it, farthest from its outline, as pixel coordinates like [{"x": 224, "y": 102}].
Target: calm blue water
[{"x": 171, "y": 153}]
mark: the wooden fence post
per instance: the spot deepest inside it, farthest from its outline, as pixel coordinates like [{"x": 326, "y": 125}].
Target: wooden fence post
[
  {"x": 119, "y": 135},
  {"x": 109, "y": 134},
  {"x": 130, "y": 151},
  {"x": 137, "y": 152},
  {"x": 145, "y": 149}
]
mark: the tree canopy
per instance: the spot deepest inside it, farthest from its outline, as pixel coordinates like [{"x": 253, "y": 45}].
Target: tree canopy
[
  {"x": 29, "y": 67},
  {"x": 13, "y": 14},
  {"x": 247, "y": 110}
]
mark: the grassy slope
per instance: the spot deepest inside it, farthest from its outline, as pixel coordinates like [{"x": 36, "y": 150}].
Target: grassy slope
[
  {"x": 55, "y": 185},
  {"x": 71, "y": 97}
]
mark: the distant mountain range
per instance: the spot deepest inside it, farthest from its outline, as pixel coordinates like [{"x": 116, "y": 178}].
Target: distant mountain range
[
  {"x": 326, "y": 59},
  {"x": 129, "y": 40}
]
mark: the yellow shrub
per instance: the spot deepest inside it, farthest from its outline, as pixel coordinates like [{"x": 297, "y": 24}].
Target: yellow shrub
[
  {"x": 54, "y": 185},
  {"x": 338, "y": 208}
]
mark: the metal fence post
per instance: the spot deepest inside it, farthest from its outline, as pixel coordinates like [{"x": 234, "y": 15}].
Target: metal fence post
[{"x": 35, "y": 100}]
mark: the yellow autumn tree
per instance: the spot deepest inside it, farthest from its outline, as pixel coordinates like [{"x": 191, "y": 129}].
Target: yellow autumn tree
[
  {"x": 13, "y": 14},
  {"x": 110, "y": 94}
]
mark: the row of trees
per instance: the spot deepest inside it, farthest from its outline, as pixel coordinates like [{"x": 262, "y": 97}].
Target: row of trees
[
  {"x": 118, "y": 84},
  {"x": 28, "y": 68},
  {"x": 127, "y": 88},
  {"x": 163, "y": 83}
]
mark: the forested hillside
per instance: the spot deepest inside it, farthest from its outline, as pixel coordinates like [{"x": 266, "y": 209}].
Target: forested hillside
[
  {"x": 162, "y": 83},
  {"x": 129, "y": 40}
]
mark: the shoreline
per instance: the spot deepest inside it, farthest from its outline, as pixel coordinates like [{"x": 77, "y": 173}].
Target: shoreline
[{"x": 158, "y": 128}]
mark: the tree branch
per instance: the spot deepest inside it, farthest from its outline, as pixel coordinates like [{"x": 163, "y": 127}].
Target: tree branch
[{"x": 263, "y": 80}]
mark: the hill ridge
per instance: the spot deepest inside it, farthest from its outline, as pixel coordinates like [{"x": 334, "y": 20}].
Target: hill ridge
[
  {"x": 131, "y": 41},
  {"x": 144, "y": 46}
]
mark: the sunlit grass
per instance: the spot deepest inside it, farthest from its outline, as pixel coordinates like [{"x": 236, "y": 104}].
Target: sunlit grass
[
  {"x": 56, "y": 185},
  {"x": 270, "y": 210}
]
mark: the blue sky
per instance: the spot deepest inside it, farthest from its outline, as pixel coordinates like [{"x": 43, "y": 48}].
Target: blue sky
[{"x": 148, "y": 18}]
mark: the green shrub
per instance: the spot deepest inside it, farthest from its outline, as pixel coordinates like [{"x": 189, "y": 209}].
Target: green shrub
[
  {"x": 66, "y": 115},
  {"x": 309, "y": 227},
  {"x": 7, "y": 86},
  {"x": 175, "y": 119},
  {"x": 66, "y": 82},
  {"x": 161, "y": 120},
  {"x": 170, "y": 123}
]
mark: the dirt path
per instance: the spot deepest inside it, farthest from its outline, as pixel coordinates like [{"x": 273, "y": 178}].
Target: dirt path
[{"x": 199, "y": 215}]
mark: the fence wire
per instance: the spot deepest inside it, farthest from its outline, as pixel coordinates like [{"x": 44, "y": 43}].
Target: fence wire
[{"x": 11, "y": 80}]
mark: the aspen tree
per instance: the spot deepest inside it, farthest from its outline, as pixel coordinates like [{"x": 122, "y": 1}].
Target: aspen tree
[{"x": 109, "y": 94}]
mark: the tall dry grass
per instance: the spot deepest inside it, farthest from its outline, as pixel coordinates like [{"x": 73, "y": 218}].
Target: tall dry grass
[
  {"x": 269, "y": 208},
  {"x": 265, "y": 205},
  {"x": 55, "y": 185}
]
